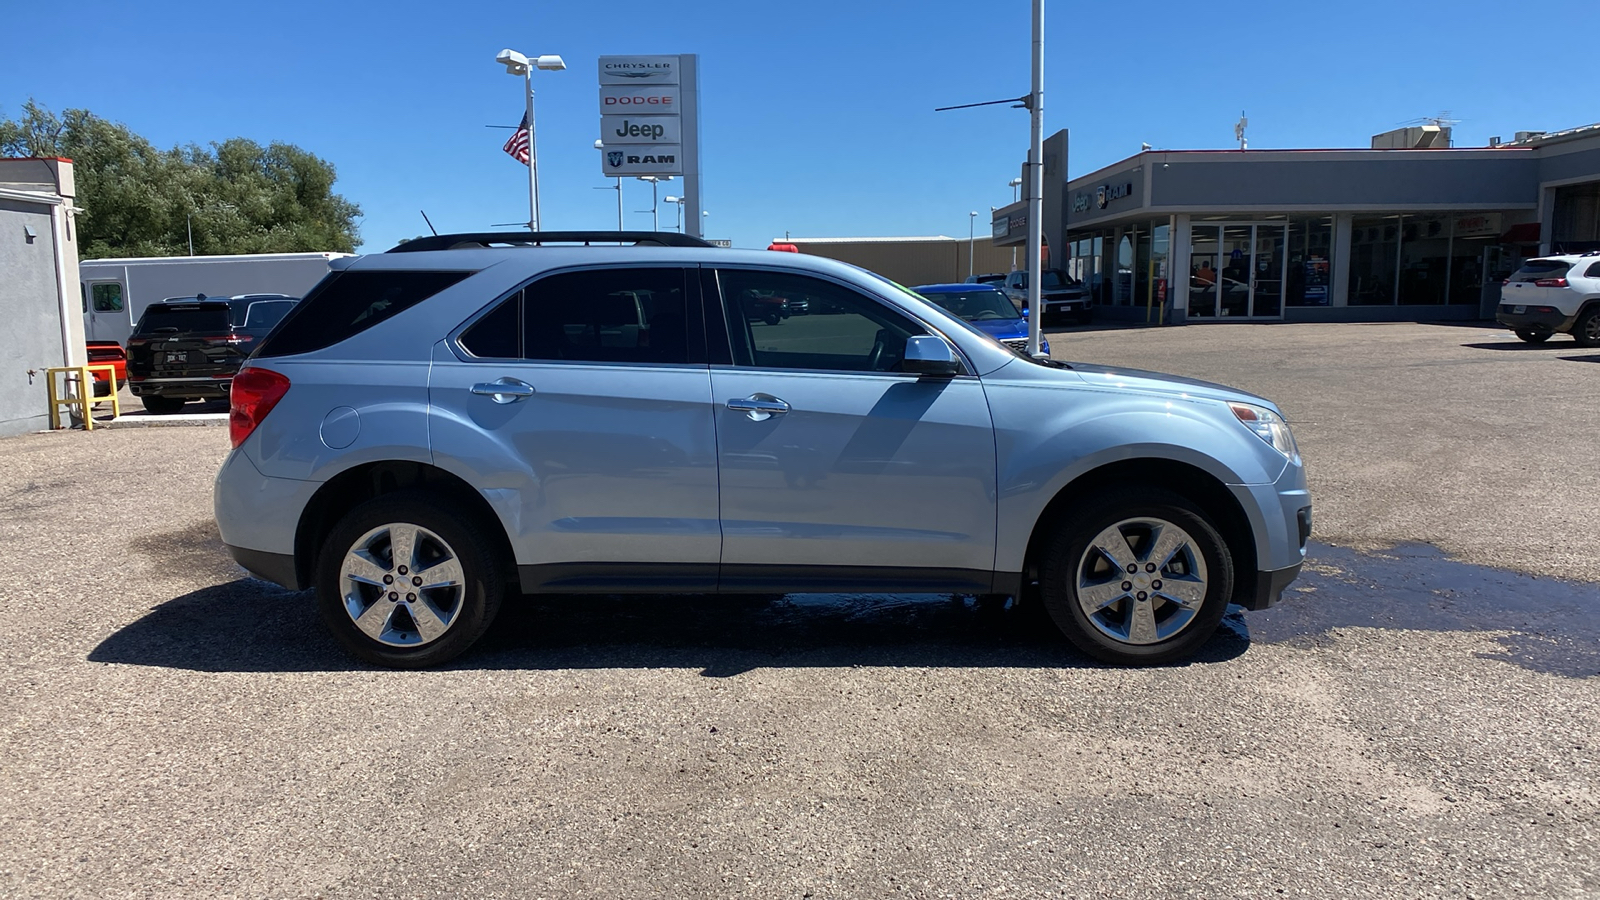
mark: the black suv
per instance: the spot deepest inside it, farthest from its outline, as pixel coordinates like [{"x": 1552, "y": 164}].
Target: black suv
[{"x": 188, "y": 348}]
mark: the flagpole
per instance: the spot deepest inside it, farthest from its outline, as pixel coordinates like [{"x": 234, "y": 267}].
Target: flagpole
[{"x": 533, "y": 159}]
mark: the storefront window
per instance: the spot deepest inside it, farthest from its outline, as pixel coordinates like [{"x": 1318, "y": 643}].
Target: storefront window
[
  {"x": 1122, "y": 281},
  {"x": 1160, "y": 250},
  {"x": 1374, "y": 256},
  {"x": 1310, "y": 273},
  {"x": 1424, "y": 259}
]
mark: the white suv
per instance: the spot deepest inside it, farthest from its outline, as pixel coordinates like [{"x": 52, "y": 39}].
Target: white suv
[{"x": 1551, "y": 294}]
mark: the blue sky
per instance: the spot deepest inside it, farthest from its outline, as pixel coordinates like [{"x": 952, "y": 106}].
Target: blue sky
[{"x": 817, "y": 121}]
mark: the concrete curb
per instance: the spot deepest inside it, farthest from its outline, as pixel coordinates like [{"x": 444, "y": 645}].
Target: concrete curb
[{"x": 148, "y": 421}]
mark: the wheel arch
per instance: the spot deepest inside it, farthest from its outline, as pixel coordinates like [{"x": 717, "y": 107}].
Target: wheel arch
[
  {"x": 367, "y": 481},
  {"x": 1185, "y": 479}
]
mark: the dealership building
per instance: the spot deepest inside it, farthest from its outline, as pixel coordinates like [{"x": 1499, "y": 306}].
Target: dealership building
[{"x": 1411, "y": 229}]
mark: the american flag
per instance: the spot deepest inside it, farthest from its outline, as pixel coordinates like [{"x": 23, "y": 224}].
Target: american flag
[{"x": 518, "y": 145}]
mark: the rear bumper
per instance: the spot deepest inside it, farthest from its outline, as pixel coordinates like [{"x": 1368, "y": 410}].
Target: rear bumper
[
  {"x": 182, "y": 388},
  {"x": 277, "y": 568},
  {"x": 1537, "y": 321}
]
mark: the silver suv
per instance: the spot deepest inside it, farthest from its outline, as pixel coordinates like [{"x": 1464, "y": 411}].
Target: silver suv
[{"x": 432, "y": 431}]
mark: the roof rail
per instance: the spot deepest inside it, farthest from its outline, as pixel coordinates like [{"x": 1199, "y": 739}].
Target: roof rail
[{"x": 481, "y": 239}]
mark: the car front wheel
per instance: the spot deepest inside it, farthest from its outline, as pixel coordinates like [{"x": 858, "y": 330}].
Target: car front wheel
[
  {"x": 405, "y": 581},
  {"x": 1136, "y": 576}
]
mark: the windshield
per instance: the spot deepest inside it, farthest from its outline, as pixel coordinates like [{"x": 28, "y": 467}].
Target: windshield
[
  {"x": 1053, "y": 278},
  {"x": 975, "y": 305}
]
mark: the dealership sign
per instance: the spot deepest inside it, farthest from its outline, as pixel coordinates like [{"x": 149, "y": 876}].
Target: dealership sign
[
  {"x": 639, "y": 100},
  {"x": 649, "y": 122},
  {"x": 1102, "y": 197},
  {"x": 644, "y": 159},
  {"x": 640, "y": 70},
  {"x": 641, "y": 129}
]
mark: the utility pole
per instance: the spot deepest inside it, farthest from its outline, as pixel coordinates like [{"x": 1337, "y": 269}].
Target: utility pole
[{"x": 1036, "y": 184}]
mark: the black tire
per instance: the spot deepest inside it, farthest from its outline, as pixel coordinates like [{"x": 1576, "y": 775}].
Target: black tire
[
  {"x": 1587, "y": 330},
  {"x": 1533, "y": 336},
  {"x": 471, "y": 607},
  {"x": 1068, "y": 561},
  {"x": 772, "y": 318},
  {"x": 162, "y": 406}
]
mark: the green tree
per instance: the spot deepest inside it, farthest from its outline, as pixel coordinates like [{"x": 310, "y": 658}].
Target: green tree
[{"x": 139, "y": 200}]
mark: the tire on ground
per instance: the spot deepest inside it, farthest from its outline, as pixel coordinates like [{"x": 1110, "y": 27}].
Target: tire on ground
[
  {"x": 1066, "y": 553},
  {"x": 483, "y": 582}
]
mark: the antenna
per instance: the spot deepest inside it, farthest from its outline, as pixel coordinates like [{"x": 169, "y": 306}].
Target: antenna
[
  {"x": 430, "y": 222},
  {"x": 1238, "y": 131}
]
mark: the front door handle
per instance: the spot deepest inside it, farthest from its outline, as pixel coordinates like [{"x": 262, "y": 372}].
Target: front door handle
[
  {"x": 504, "y": 390},
  {"x": 759, "y": 407}
]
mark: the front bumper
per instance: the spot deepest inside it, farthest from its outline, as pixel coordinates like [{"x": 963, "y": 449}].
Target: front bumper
[
  {"x": 1268, "y": 588},
  {"x": 1280, "y": 517}
]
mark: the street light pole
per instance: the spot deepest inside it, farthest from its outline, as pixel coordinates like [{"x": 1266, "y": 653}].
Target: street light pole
[
  {"x": 972, "y": 218},
  {"x": 1015, "y": 184},
  {"x": 678, "y": 202},
  {"x": 1036, "y": 183},
  {"x": 519, "y": 64},
  {"x": 600, "y": 145},
  {"x": 533, "y": 156}
]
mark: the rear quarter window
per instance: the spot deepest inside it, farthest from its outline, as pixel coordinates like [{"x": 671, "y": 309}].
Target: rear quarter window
[{"x": 347, "y": 303}]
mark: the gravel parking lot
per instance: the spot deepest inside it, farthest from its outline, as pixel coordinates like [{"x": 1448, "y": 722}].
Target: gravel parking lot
[{"x": 1417, "y": 719}]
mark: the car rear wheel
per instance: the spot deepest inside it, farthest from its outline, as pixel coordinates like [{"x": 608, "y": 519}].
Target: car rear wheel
[
  {"x": 1136, "y": 576},
  {"x": 162, "y": 406},
  {"x": 1587, "y": 331},
  {"x": 404, "y": 581}
]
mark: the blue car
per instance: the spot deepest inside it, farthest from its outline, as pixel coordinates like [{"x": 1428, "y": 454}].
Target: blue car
[{"x": 987, "y": 308}]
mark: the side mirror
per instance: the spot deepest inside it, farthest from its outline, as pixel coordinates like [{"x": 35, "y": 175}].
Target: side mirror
[{"x": 928, "y": 354}]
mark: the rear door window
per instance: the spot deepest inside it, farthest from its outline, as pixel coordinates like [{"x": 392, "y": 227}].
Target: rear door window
[
  {"x": 347, "y": 303},
  {"x": 595, "y": 316}
]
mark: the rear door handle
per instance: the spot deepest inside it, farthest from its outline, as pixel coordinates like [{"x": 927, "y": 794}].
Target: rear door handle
[
  {"x": 759, "y": 407},
  {"x": 504, "y": 390}
]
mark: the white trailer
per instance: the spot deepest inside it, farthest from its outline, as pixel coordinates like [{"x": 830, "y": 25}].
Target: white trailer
[{"x": 116, "y": 291}]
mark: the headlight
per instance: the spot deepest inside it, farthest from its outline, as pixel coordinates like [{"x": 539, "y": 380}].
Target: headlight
[{"x": 1269, "y": 426}]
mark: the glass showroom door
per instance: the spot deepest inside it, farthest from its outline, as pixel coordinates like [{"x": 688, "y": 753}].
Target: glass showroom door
[{"x": 1236, "y": 271}]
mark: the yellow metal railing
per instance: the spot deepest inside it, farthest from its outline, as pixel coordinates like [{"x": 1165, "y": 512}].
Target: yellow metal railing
[{"x": 77, "y": 393}]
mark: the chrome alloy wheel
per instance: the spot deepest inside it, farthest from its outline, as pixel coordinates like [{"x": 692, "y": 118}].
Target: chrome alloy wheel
[
  {"x": 1141, "y": 581},
  {"x": 402, "y": 585}
]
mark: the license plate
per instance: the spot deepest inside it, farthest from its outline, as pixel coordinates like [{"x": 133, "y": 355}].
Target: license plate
[
  {"x": 181, "y": 356},
  {"x": 1519, "y": 309}
]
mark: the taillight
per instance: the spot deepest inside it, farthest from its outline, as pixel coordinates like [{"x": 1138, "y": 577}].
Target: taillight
[
  {"x": 138, "y": 342},
  {"x": 1550, "y": 282},
  {"x": 255, "y": 392}
]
